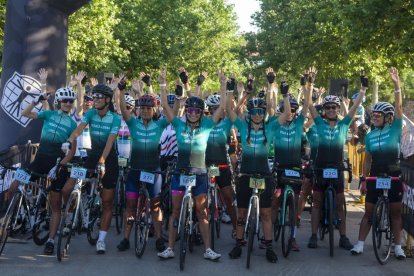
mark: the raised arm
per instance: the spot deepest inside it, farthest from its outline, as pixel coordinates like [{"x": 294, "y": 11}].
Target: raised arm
[
  {"x": 223, "y": 101},
  {"x": 284, "y": 89},
  {"x": 307, "y": 97},
  {"x": 184, "y": 79},
  {"x": 77, "y": 80},
  {"x": 271, "y": 91},
  {"x": 229, "y": 84},
  {"x": 147, "y": 80},
  {"x": 43, "y": 78},
  {"x": 200, "y": 79},
  {"x": 122, "y": 104},
  {"x": 168, "y": 111},
  {"x": 397, "y": 92},
  {"x": 27, "y": 112},
  {"x": 361, "y": 95}
]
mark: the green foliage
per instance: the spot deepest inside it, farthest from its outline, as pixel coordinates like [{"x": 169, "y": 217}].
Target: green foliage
[{"x": 2, "y": 22}]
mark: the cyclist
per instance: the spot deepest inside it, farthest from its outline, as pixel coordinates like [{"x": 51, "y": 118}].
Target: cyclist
[
  {"x": 332, "y": 134},
  {"x": 382, "y": 153},
  {"x": 104, "y": 126},
  {"x": 192, "y": 143},
  {"x": 216, "y": 154},
  {"x": 56, "y": 130},
  {"x": 255, "y": 143},
  {"x": 145, "y": 134}
]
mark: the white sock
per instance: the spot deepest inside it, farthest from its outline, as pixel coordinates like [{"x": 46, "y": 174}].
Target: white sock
[
  {"x": 360, "y": 243},
  {"x": 397, "y": 247},
  {"x": 102, "y": 235},
  {"x": 51, "y": 240}
]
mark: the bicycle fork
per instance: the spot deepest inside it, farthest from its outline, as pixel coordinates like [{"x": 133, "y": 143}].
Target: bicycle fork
[
  {"x": 253, "y": 200},
  {"x": 190, "y": 211}
]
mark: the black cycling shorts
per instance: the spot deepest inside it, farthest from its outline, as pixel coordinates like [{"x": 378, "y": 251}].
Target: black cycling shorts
[
  {"x": 224, "y": 180},
  {"x": 111, "y": 169},
  {"x": 395, "y": 194},
  {"x": 320, "y": 184},
  {"x": 244, "y": 192}
]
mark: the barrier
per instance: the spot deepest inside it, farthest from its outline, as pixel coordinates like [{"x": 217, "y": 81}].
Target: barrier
[
  {"x": 407, "y": 169},
  {"x": 356, "y": 159}
]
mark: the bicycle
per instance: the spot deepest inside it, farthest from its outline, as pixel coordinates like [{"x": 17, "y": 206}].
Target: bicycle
[
  {"x": 119, "y": 200},
  {"x": 257, "y": 182},
  {"x": 212, "y": 203},
  {"x": 83, "y": 210},
  {"x": 381, "y": 225},
  {"x": 165, "y": 197},
  {"x": 288, "y": 177}
]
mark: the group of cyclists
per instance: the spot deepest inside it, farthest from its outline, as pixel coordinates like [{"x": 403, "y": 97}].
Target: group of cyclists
[{"x": 234, "y": 133}]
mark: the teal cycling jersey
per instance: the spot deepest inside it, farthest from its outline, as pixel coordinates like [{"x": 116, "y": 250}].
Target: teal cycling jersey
[
  {"x": 216, "y": 152},
  {"x": 145, "y": 154},
  {"x": 384, "y": 143},
  {"x": 192, "y": 146},
  {"x": 56, "y": 130},
  {"x": 255, "y": 154},
  {"x": 287, "y": 141},
  {"x": 331, "y": 141},
  {"x": 313, "y": 139},
  {"x": 100, "y": 128}
]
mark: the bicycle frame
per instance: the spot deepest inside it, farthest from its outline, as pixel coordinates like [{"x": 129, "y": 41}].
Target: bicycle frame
[
  {"x": 188, "y": 195},
  {"x": 254, "y": 198}
]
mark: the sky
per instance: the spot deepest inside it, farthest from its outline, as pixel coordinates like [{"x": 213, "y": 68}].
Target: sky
[{"x": 244, "y": 9}]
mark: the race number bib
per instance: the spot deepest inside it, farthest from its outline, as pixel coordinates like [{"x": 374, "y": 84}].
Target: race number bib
[
  {"x": 213, "y": 171},
  {"x": 78, "y": 173},
  {"x": 292, "y": 173},
  {"x": 83, "y": 153},
  {"x": 330, "y": 173},
  {"x": 22, "y": 176},
  {"x": 122, "y": 162},
  {"x": 257, "y": 183},
  {"x": 188, "y": 180},
  {"x": 147, "y": 177},
  {"x": 383, "y": 183}
]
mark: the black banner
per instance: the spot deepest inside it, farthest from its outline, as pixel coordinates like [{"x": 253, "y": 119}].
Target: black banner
[{"x": 407, "y": 168}]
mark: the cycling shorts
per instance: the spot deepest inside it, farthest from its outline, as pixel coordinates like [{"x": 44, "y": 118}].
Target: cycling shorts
[
  {"x": 133, "y": 185},
  {"x": 244, "y": 192}
]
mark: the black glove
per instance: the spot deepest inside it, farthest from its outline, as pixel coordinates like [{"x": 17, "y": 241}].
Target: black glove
[
  {"x": 231, "y": 84},
  {"x": 122, "y": 85},
  {"x": 178, "y": 90},
  {"x": 262, "y": 93},
  {"x": 271, "y": 76},
  {"x": 302, "y": 80},
  {"x": 147, "y": 80},
  {"x": 364, "y": 81},
  {"x": 200, "y": 79},
  {"x": 184, "y": 77},
  {"x": 284, "y": 88},
  {"x": 250, "y": 85}
]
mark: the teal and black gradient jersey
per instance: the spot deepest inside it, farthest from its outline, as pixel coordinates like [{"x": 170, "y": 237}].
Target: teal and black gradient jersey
[
  {"x": 287, "y": 141},
  {"x": 192, "y": 146},
  {"x": 313, "y": 139},
  {"x": 100, "y": 128},
  {"x": 57, "y": 128},
  {"x": 384, "y": 143},
  {"x": 145, "y": 154},
  {"x": 255, "y": 155},
  {"x": 331, "y": 141},
  {"x": 217, "y": 143}
]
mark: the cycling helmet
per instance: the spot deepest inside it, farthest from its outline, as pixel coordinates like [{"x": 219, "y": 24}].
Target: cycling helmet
[
  {"x": 147, "y": 100},
  {"x": 293, "y": 104},
  {"x": 194, "y": 101},
  {"x": 256, "y": 103},
  {"x": 383, "y": 107},
  {"x": 87, "y": 98},
  {"x": 129, "y": 100},
  {"x": 171, "y": 98},
  {"x": 64, "y": 93},
  {"x": 356, "y": 96},
  {"x": 103, "y": 89},
  {"x": 332, "y": 99},
  {"x": 213, "y": 100}
]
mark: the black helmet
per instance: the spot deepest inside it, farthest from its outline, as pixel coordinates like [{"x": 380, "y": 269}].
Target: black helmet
[
  {"x": 147, "y": 100},
  {"x": 256, "y": 103},
  {"x": 103, "y": 89},
  {"x": 194, "y": 101},
  {"x": 293, "y": 104}
]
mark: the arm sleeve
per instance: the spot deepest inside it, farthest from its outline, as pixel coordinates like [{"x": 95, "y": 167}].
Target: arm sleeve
[
  {"x": 346, "y": 120},
  {"x": 43, "y": 115},
  {"x": 176, "y": 122}
]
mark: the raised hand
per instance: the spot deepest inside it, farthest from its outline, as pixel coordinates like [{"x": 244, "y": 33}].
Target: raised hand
[
  {"x": 122, "y": 84},
  {"x": 145, "y": 78},
  {"x": 394, "y": 76},
  {"x": 250, "y": 82},
  {"x": 162, "y": 77},
  {"x": 183, "y": 75},
  {"x": 42, "y": 75},
  {"x": 364, "y": 79},
  {"x": 284, "y": 87},
  {"x": 231, "y": 83},
  {"x": 201, "y": 78},
  {"x": 94, "y": 81},
  {"x": 222, "y": 78},
  {"x": 270, "y": 75},
  {"x": 312, "y": 74}
]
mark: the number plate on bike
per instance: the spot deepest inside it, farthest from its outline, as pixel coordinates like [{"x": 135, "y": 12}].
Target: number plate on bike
[
  {"x": 188, "y": 180},
  {"x": 122, "y": 162},
  {"x": 22, "y": 176},
  {"x": 147, "y": 177},
  {"x": 78, "y": 173},
  {"x": 83, "y": 153},
  {"x": 330, "y": 173},
  {"x": 292, "y": 173},
  {"x": 213, "y": 171},
  {"x": 257, "y": 183},
  {"x": 383, "y": 183}
]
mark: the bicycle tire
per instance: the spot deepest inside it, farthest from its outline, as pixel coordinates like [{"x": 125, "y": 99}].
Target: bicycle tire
[
  {"x": 5, "y": 227},
  {"x": 212, "y": 219},
  {"x": 94, "y": 224},
  {"x": 277, "y": 227},
  {"x": 184, "y": 232},
  {"x": 381, "y": 229},
  {"x": 252, "y": 233},
  {"x": 142, "y": 224},
  {"x": 119, "y": 204},
  {"x": 64, "y": 241},
  {"x": 40, "y": 230},
  {"x": 331, "y": 212},
  {"x": 288, "y": 224}
]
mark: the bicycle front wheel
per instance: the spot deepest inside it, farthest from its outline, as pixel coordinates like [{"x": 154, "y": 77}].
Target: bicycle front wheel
[
  {"x": 40, "y": 230},
  {"x": 66, "y": 226},
  {"x": 119, "y": 204},
  {"x": 251, "y": 232},
  {"x": 331, "y": 214},
  {"x": 184, "y": 232},
  {"x": 6, "y": 223},
  {"x": 94, "y": 223},
  {"x": 288, "y": 224},
  {"x": 381, "y": 231},
  {"x": 212, "y": 218},
  {"x": 142, "y": 224}
]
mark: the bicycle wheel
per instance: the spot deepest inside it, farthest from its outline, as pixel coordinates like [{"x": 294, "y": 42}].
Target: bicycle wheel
[
  {"x": 288, "y": 224},
  {"x": 65, "y": 228},
  {"x": 212, "y": 219},
  {"x": 251, "y": 232},
  {"x": 6, "y": 223},
  {"x": 184, "y": 232},
  {"x": 331, "y": 214},
  {"x": 142, "y": 224},
  {"x": 381, "y": 231},
  {"x": 42, "y": 213},
  {"x": 94, "y": 223},
  {"x": 119, "y": 204},
  {"x": 277, "y": 227}
]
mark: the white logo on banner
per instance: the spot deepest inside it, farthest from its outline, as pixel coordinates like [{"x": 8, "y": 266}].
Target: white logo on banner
[{"x": 18, "y": 93}]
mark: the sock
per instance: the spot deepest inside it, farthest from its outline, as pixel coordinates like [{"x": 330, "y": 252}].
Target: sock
[
  {"x": 397, "y": 247},
  {"x": 294, "y": 232},
  {"x": 102, "y": 235},
  {"x": 51, "y": 240},
  {"x": 360, "y": 243}
]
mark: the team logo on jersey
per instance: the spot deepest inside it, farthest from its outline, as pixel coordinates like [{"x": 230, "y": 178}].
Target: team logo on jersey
[{"x": 18, "y": 93}]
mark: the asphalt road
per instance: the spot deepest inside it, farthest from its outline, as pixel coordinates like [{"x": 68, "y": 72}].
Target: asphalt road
[{"x": 27, "y": 259}]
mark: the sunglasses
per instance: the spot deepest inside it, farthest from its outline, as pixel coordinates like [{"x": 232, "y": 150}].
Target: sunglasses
[
  {"x": 293, "y": 111},
  {"x": 329, "y": 107},
  {"x": 256, "y": 111},
  {"x": 146, "y": 108},
  {"x": 67, "y": 101},
  {"x": 377, "y": 115},
  {"x": 98, "y": 96},
  {"x": 191, "y": 110},
  {"x": 213, "y": 108}
]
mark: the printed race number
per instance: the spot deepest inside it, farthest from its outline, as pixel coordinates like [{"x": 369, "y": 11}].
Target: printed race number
[
  {"x": 383, "y": 183},
  {"x": 147, "y": 177},
  {"x": 330, "y": 173},
  {"x": 292, "y": 173},
  {"x": 22, "y": 176},
  {"x": 78, "y": 173},
  {"x": 213, "y": 171},
  {"x": 188, "y": 180},
  {"x": 257, "y": 183}
]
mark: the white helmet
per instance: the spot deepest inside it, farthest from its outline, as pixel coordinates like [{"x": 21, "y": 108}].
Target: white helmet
[
  {"x": 383, "y": 107},
  {"x": 213, "y": 100},
  {"x": 332, "y": 99},
  {"x": 129, "y": 100},
  {"x": 65, "y": 93}
]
